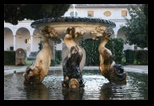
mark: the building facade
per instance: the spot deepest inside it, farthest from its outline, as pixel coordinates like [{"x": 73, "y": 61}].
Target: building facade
[{"x": 26, "y": 37}]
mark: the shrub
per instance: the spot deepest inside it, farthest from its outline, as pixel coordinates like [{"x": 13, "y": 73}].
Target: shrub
[
  {"x": 136, "y": 57},
  {"x": 92, "y": 54},
  {"x": 116, "y": 47},
  {"x": 9, "y": 57},
  {"x": 58, "y": 58},
  {"x": 141, "y": 56}
]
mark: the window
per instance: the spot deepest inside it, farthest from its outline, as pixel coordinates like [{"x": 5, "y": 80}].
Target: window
[
  {"x": 123, "y": 13},
  {"x": 90, "y": 13},
  {"x": 107, "y": 13},
  {"x": 27, "y": 41},
  {"x": 72, "y": 14}
]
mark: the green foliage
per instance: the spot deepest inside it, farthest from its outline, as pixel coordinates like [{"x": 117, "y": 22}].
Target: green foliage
[
  {"x": 141, "y": 57},
  {"x": 58, "y": 58},
  {"x": 92, "y": 54},
  {"x": 136, "y": 27},
  {"x": 129, "y": 54},
  {"x": 9, "y": 57},
  {"x": 136, "y": 57},
  {"x": 52, "y": 63},
  {"x": 17, "y": 12},
  {"x": 116, "y": 47},
  {"x": 29, "y": 61}
]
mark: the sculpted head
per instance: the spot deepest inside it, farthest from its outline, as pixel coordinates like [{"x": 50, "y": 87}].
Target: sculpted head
[
  {"x": 74, "y": 84},
  {"x": 118, "y": 74},
  {"x": 49, "y": 32},
  {"x": 32, "y": 75},
  {"x": 75, "y": 32},
  {"x": 107, "y": 33}
]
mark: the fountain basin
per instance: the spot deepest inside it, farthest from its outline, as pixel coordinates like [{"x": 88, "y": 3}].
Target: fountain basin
[
  {"x": 60, "y": 24},
  {"x": 96, "y": 87}
]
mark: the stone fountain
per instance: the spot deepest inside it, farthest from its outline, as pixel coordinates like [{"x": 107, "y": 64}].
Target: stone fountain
[
  {"x": 72, "y": 30},
  {"x": 95, "y": 87}
]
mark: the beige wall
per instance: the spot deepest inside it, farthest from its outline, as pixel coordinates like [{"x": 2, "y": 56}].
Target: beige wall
[{"x": 31, "y": 33}]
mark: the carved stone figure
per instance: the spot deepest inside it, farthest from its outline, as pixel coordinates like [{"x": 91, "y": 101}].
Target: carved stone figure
[
  {"x": 72, "y": 66},
  {"x": 71, "y": 70},
  {"x": 39, "y": 69},
  {"x": 109, "y": 69}
]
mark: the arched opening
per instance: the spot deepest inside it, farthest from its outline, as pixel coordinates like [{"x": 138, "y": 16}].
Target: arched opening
[
  {"x": 8, "y": 39},
  {"x": 122, "y": 35},
  {"x": 23, "y": 39},
  {"x": 36, "y": 41}
]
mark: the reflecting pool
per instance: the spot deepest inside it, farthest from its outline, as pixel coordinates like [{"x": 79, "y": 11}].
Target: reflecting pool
[{"x": 96, "y": 88}]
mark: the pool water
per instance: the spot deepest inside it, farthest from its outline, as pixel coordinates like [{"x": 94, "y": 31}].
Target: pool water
[{"x": 96, "y": 88}]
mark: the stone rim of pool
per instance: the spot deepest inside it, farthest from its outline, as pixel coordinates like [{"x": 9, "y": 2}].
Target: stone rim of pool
[
  {"x": 96, "y": 87},
  {"x": 127, "y": 69}
]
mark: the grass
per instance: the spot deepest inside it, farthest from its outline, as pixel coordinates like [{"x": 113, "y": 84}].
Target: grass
[
  {"x": 136, "y": 62},
  {"x": 29, "y": 61}
]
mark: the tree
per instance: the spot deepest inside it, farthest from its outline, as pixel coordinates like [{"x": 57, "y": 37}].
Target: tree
[
  {"x": 136, "y": 27},
  {"x": 146, "y": 15},
  {"x": 17, "y": 12}
]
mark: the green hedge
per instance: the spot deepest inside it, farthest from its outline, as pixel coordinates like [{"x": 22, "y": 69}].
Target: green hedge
[
  {"x": 91, "y": 49},
  {"x": 129, "y": 55},
  {"x": 92, "y": 54},
  {"x": 116, "y": 47},
  {"x": 9, "y": 57},
  {"x": 139, "y": 57},
  {"x": 58, "y": 58}
]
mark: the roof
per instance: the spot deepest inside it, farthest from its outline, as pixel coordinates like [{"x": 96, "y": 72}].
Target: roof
[{"x": 101, "y": 5}]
